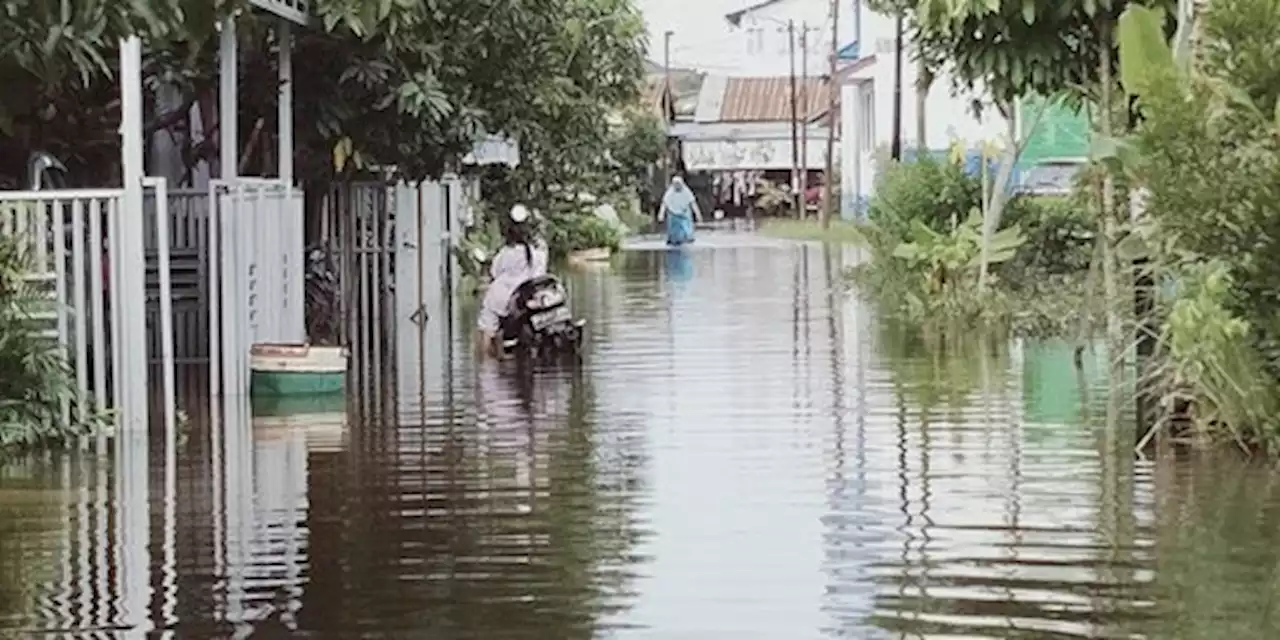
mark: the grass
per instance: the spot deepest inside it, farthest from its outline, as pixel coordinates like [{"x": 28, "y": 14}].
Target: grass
[{"x": 839, "y": 231}]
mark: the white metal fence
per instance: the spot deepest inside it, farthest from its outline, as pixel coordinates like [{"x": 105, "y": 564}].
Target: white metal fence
[
  {"x": 72, "y": 240},
  {"x": 188, "y": 226},
  {"x": 256, "y": 287},
  {"x": 393, "y": 246}
]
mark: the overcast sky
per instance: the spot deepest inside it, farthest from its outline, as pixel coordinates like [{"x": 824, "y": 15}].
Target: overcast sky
[{"x": 692, "y": 21}]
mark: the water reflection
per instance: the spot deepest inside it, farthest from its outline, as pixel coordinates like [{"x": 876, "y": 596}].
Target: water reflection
[
  {"x": 749, "y": 453},
  {"x": 678, "y": 266}
]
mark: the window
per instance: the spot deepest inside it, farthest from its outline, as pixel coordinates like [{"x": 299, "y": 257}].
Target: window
[
  {"x": 755, "y": 41},
  {"x": 784, "y": 41},
  {"x": 868, "y": 121}
]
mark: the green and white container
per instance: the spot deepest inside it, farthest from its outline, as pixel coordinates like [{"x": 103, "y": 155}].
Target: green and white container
[{"x": 296, "y": 370}]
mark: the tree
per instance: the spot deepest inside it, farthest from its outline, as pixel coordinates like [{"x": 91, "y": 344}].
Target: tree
[
  {"x": 1012, "y": 49},
  {"x": 56, "y": 64},
  {"x": 410, "y": 84},
  {"x": 544, "y": 71}
]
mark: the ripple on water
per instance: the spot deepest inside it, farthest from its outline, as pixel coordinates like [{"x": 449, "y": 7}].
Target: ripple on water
[{"x": 746, "y": 454}]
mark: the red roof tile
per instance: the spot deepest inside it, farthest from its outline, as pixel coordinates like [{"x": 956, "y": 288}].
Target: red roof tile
[{"x": 769, "y": 99}]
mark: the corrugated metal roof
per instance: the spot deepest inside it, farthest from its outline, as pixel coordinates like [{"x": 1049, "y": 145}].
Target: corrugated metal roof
[
  {"x": 769, "y": 99},
  {"x": 652, "y": 94}
]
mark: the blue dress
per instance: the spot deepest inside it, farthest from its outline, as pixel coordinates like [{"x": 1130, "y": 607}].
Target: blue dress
[{"x": 679, "y": 228}]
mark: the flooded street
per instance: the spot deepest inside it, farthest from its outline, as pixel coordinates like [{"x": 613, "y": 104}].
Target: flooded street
[{"x": 748, "y": 453}]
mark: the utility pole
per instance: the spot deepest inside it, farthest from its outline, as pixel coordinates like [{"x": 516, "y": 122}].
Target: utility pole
[
  {"x": 669, "y": 165},
  {"x": 797, "y": 200},
  {"x": 803, "y": 125},
  {"x": 895, "y": 150},
  {"x": 666, "y": 56},
  {"x": 833, "y": 90}
]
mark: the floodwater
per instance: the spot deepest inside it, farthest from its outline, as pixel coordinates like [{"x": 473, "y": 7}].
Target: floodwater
[{"x": 747, "y": 453}]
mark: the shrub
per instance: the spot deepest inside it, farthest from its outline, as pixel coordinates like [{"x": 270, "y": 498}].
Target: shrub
[
  {"x": 941, "y": 194},
  {"x": 1209, "y": 152},
  {"x": 929, "y": 191},
  {"x": 35, "y": 379},
  {"x": 1060, "y": 234},
  {"x": 1213, "y": 364},
  {"x": 575, "y": 231}
]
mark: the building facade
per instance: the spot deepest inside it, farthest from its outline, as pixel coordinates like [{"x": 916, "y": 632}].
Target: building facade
[{"x": 746, "y": 38}]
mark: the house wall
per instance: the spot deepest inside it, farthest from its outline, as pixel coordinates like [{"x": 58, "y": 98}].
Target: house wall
[
  {"x": 763, "y": 41},
  {"x": 703, "y": 39},
  {"x": 949, "y": 113}
]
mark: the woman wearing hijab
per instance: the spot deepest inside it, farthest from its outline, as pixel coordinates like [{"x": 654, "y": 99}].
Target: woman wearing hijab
[
  {"x": 680, "y": 209},
  {"x": 522, "y": 257}
]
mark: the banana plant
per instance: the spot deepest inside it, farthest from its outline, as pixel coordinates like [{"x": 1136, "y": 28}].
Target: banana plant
[
  {"x": 946, "y": 258},
  {"x": 993, "y": 205}
]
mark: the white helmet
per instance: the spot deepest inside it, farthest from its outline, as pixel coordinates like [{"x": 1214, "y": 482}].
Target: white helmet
[{"x": 519, "y": 214}]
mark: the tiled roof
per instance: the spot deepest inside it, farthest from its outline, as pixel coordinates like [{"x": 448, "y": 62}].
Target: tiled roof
[{"x": 769, "y": 99}]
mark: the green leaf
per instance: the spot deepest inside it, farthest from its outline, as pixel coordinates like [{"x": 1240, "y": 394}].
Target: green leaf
[
  {"x": 907, "y": 251},
  {"x": 1132, "y": 247},
  {"x": 1145, "y": 56},
  {"x": 1117, "y": 152}
]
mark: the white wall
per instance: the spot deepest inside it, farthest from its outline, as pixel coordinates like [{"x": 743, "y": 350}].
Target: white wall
[
  {"x": 763, "y": 43},
  {"x": 949, "y": 114},
  {"x": 703, "y": 39}
]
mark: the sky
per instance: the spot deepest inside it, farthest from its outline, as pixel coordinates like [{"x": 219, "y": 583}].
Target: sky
[{"x": 688, "y": 19}]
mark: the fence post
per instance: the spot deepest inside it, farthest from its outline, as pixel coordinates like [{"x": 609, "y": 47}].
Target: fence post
[
  {"x": 132, "y": 285},
  {"x": 132, "y": 453}
]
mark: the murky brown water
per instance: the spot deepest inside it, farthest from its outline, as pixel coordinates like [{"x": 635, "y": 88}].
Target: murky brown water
[{"x": 747, "y": 455}]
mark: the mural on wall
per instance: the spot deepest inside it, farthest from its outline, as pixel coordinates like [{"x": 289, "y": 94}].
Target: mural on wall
[{"x": 725, "y": 154}]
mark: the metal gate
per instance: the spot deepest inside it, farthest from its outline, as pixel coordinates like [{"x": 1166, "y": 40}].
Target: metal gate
[
  {"x": 393, "y": 245},
  {"x": 256, "y": 285}
]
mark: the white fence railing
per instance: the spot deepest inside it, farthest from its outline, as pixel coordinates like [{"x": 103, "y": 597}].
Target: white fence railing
[{"x": 71, "y": 239}]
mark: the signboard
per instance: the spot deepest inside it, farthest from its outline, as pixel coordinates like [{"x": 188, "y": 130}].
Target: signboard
[
  {"x": 494, "y": 150},
  {"x": 756, "y": 154}
]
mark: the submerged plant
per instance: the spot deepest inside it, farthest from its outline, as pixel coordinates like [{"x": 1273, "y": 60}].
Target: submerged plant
[
  {"x": 38, "y": 399},
  {"x": 1209, "y": 370}
]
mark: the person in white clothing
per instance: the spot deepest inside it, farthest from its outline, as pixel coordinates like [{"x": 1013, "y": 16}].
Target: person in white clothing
[{"x": 522, "y": 258}]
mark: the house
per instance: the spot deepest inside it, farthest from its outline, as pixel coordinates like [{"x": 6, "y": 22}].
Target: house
[
  {"x": 742, "y": 132},
  {"x": 867, "y": 103},
  {"x": 742, "y": 38},
  {"x": 745, "y": 124},
  {"x": 866, "y": 48}
]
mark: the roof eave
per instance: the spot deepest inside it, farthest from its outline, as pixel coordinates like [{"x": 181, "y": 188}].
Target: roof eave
[{"x": 734, "y": 18}]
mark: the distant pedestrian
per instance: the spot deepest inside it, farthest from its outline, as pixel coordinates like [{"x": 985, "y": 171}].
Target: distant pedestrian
[{"x": 680, "y": 210}]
